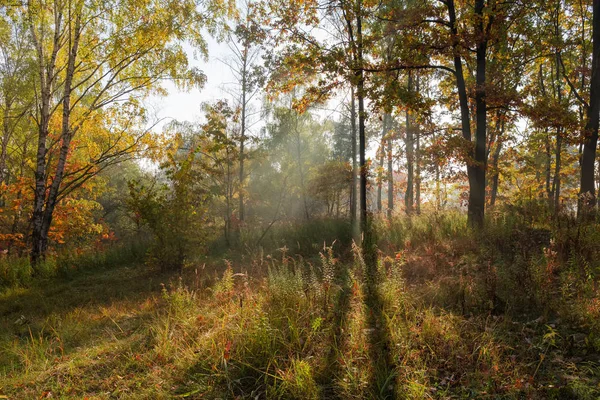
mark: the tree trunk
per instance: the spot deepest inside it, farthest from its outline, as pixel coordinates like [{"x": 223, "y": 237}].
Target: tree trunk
[
  {"x": 301, "y": 171},
  {"x": 496, "y": 177},
  {"x": 6, "y": 134},
  {"x": 495, "y": 162},
  {"x": 300, "y": 164},
  {"x": 465, "y": 116},
  {"x": 409, "y": 195},
  {"x": 548, "y": 149},
  {"x": 228, "y": 199},
  {"x": 417, "y": 159},
  {"x": 598, "y": 183},
  {"x": 42, "y": 216},
  {"x": 241, "y": 211},
  {"x": 360, "y": 91},
  {"x": 418, "y": 170},
  {"x": 557, "y": 167},
  {"x": 476, "y": 210},
  {"x": 587, "y": 192},
  {"x": 38, "y": 237},
  {"x": 387, "y": 119},
  {"x": 382, "y": 147},
  {"x": 37, "y": 220},
  {"x": 19, "y": 210},
  {"x": 438, "y": 190},
  {"x": 548, "y": 170},
  {"x": 559, "y": 130},
  {"x": 353, "y": 194},
  {"x": 362, "y": 158}
]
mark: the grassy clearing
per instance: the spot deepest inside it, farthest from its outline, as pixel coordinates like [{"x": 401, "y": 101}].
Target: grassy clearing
[{"x": 435, "y": 317}]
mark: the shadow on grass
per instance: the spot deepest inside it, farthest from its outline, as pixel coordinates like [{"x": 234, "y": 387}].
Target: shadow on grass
[
  {"x": 332, "y": 369},
  {"x": 92, "y": 287},
  {"x": 382, "y": 385},
  {"x": 30, "y": 312},
  {"x": 60, "y": 316}
]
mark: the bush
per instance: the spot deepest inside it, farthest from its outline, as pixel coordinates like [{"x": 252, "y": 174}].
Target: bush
[
  {"x": 419, "y": 230},
  {"x": 175, "y": 212}
]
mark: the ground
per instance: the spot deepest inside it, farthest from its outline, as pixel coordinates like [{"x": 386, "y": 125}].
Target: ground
[{"x": 282, "y": 326}]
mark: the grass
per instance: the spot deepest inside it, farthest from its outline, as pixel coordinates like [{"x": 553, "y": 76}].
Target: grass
[
  {"x": 16, "y": 271},
  {"x": 430, "y": 317}
]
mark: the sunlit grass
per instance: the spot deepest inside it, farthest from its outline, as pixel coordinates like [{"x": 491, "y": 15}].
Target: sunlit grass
[{"x": 303, "y": 329}]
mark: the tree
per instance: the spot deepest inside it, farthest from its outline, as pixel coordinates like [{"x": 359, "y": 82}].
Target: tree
[
  {"x": 245, "y": 44},
  {"x": 324, "y": 65},
  {"x": 174, "y": 210},
  {"x": 95, "y": 55},
  {"x": 587, "y": 190},
  {"x": 218, "y": 150}
]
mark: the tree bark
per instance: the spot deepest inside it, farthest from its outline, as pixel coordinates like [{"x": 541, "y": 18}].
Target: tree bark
[
  {"x": 476, "y": 210},
  {"x": 409, "y": 195},
  {"x": 496, "y": 177},
  {"x": 301, "y": 169},
  {"x": 587, "y": 191},
  {"x": 548, "y": 169},
  {"x": 67, "y": 134},
  {"x": 360, "y": 96},
  {"x": 47, "y": 76},
  {"x": 241, "y": 211},
  {"x": 597, "y": 183},
  {"x": 438, "y": 190},
  {"x": 353, "y": 191},
  {"x": 495, "y": 162},
  {"x": 6, "y": 134},
  {"x": 417, "y": 160},
  {"x": 418, "y": 171},
  {"x": 557, "y": 168},
  {"x": 382, "y": 147},
  {"x": 19, "y": 211},
  {"x": 387, "y": 119},
  {"x": 228, "y": 198}
]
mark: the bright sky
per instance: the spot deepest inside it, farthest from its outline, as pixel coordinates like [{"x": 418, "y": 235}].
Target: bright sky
[{"x": 185, "y": 106}]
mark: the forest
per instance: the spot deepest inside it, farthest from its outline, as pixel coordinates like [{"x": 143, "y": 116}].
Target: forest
[{"x": 390, "y": 199}]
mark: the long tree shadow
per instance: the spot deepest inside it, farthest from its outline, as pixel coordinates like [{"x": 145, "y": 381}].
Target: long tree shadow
[
  {"x": 382, "y": 385},
  {"x": 25, "y": 311},
  {"x": 337, "y": 339},
  {"x": 87, "y": 288}
]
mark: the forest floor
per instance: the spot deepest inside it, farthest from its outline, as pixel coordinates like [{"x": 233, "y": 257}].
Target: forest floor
[{"x": 279, "y": 327}]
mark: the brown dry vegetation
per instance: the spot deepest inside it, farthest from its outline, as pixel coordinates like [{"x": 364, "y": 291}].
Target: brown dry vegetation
[{"x": 443, "y": 314}]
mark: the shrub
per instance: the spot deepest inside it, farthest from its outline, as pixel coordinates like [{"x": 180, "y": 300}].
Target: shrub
[{"x": 175, "y": 214}]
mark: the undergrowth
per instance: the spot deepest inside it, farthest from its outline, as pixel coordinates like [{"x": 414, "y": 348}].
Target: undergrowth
[
  {"x": 17, "y": 270},
  {"x": 440, "y": 313}
]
